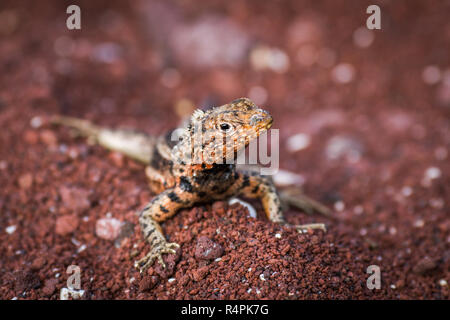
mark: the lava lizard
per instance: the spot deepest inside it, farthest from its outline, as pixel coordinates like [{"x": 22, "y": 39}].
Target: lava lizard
[{"x": 195, "y": 167}]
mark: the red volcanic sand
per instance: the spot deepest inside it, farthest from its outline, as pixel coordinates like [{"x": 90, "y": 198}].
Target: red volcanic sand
[{"x": 378, "y": 154}]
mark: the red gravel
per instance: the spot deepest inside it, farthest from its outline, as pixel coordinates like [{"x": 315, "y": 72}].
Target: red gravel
[{"x": 387, "y": 173}]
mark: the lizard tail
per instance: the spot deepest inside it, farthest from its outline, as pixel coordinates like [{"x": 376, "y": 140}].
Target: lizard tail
[
  {"x": 82, "y": 127},
  {"x": 136, "y": 145}
]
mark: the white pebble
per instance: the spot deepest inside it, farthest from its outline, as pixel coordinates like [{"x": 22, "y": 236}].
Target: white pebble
[
  {"x": 108, "y": 228},
  {"x": 66, "y": 293},
  {"x": 393, "y": 286},
  {"x": 393, "y": 231},
  {"x": 343, "y": 73},
  {"x": 363, "y": 37},
  {"x": 358, "y": 210},
  {"x": 269, "y": 58},
  {"x": 344, "y": 147},
  {"x": 431, "y": 75},
  {"x": 339, "y": 206},
  {"x": 432, "y": 173},
  {"x": 258, "y": 95},
  {"x": 419, "y": 223},
  {"x": 217, "y": 259},
  {"x": 285, "y": 178},
  {"x": 407, "y": 191},
  {"x": 298, "y": 142},
  {"x": 443, "y": 283},
  {"x": 277, "y": 235},
  {"x": 171, "y": 280},
  {"x": 261, "y": 276},
  {"x": 441, "y": 153},
  {"x": 251, "y": 210},
  {"x": 11, "y": 229},
  {"x": 437, "y": 203},
  {"x": 82, "y": 248},
  {"x": 36, "y": 122}
]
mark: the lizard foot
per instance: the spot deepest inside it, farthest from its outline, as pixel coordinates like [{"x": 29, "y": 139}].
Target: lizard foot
[
  {"x": 156, "y": 253},
  {"x": 303, "y": 227}
]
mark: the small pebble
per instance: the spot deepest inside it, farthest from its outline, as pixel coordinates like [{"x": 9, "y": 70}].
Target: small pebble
[
  {"x": 407, "y": 191},
  {"x": 36, "y": 122},
  {"x": 363, "y": 37},
  {"x": 358, "y": 210},
  {"x": 11, "y": 229},
  {"x": 206, "y": 249},
  {"x": 274, "y": 59},
  {"x": 67, "y": 293},
  {"x": 298, "y": 142},
  {"x": 25, "y": 181},
  {"x": 66, "y": 224},
  {"x": 431, "y": 75},
  {"x": 108, "y": 228},
  {"x": 251, "y": 210},
  {"x": 286, "y": 178},
  {"x": 258, "y": 95},
  {"x": 441, "y": 153},
  {"x": 339, "y": 206},
  {"x": 419, "y": 223},
  {"x": 424, "y": 265},
  {"x": 443, "y": 283},
  {"x": 343, "y": 73},
  {"x": 432, "y": 173}
]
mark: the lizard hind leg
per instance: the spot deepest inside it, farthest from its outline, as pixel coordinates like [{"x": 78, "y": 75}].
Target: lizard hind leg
[{"x": 256, "y": 186}]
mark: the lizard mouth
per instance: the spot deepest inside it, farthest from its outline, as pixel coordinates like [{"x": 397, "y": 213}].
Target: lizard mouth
[
  {"x": 269, "y": 124},
  {"x": 261, "y": 120}
]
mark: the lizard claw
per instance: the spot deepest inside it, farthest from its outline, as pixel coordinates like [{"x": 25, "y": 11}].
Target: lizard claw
[{"x": 156, "y": 253}]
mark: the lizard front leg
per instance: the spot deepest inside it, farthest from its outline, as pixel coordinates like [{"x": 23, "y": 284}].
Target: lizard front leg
[
  {"x": 252, "y": 185},
  {"x": 162, "y": 207}
]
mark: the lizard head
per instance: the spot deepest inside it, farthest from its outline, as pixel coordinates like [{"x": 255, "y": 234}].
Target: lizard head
[{"x": 218, "y": 134}]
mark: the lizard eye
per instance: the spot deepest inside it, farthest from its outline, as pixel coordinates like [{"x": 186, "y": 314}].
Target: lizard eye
[{"x": 226, "y": 127}]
